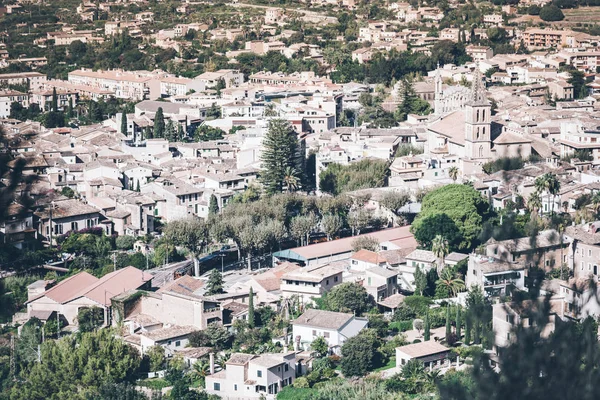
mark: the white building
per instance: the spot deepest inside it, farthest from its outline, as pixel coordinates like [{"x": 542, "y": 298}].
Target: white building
[
  {"x": 334, "y": 327},
  {"x": 247, "y": 376}
]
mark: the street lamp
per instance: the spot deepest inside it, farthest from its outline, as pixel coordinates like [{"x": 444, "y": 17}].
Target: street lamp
[{"x": 222, "y": 257}]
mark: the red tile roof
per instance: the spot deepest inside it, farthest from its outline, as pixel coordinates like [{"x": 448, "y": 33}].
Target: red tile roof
[
  {"x": 65, "y": 290},
  {"x": 114, "y": 284}
]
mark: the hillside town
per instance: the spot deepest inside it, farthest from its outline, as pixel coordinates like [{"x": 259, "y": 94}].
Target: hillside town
[{"x": 299, "y": 200}]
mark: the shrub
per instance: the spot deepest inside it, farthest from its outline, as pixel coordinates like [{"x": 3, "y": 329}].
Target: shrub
[
  {"x": 551, "y": 13},
  {"x": 301, "y": 382},
  {"x": 124, "y": 242}
]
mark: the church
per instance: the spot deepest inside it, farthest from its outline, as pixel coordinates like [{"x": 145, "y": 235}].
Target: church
[{"x": 461, "y": 127}]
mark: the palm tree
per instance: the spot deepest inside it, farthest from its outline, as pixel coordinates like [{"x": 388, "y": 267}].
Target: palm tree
[
  {"x": 535, "y": 202},
  {"x": 548, "y": 183},
  {"x": 453, "y": 173},
  {"x": 201, "y": 369},
  {"x": 290, "y": 179},
  {"x": 450, "y": 282},
  {"x": 439, "y": 246}
]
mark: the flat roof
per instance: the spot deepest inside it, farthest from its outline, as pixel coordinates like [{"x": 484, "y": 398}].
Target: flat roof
[{"x": 341, "y": 246}]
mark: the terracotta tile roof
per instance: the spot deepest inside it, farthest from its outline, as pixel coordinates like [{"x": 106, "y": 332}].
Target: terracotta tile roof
[
  {"x": 184, "y": 285},
  {"x": 240, "y": 358},
  {"x": 113, "y": 284},
  {"x": 392, "y": 301},
  {"x": 323, "y": 319},
  {"x": 67, "y": 289},
  {"x": 368, "y": 256},
  {"x": 169, "y": 333},
  {"x": 423, "y": 349}
]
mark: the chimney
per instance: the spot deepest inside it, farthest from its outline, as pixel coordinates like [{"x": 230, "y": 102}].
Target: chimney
[
  {"x": 285, "y": 349},
  {"x": 211, "y": 363}
]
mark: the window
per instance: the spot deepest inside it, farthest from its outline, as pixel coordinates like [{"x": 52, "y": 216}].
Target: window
[
  {"x": 216, "y": 386},
  {"x": 286, "y": 367},
  {"x": 335, "y": 278},
  {"x": 169, "y": 342},
  {"x": 354, "y": 262},
  {"x": 235, "y": 387},
  {"x": 326, "y": 335},
  {"x": 314, "y": 332},
  {"x": 259, "y": 373},
  {"x": 327, "y": 281},
  {"x": 177, "y": 343},
  {"x": 590, "y": 252}
]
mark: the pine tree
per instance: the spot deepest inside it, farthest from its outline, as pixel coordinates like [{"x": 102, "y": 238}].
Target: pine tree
[
  {"x": 215, "y": 283},
  {"x": 458, "y": 322},
  {"x": 448, "y": 325},
  {"x": 213, "y": 206},
  {"x": 124, "y": 123},
  {"x": 281, "y": 151},
  {"x": 251, "y": 308},
  {"x": 159, "y": 124},
  {"x": 427, "y": 328}
]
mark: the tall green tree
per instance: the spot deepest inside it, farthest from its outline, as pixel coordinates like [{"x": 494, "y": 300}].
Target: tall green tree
[
  {"x": 54, "y": 105},
  {"x": 348, "y": 297},
  {"x": 462, "y": 204},
  {"x": 448, "y": 323},
  {"x": 159, "y": 124},
  {"x": 458, "y": 322},
  {"x": 124, "y": 123},
  {"x": 281, "y": 151},
  {"x": 215, "y": 283},
  {"x": 171, "y": 131},
  {"x": 360, "y": 354},
  {"x": 410, "y": 103},
  {"x": 213, "y": 205},
  {"x": 251, "y": 308},
  {"x": 190, "y": 233}
]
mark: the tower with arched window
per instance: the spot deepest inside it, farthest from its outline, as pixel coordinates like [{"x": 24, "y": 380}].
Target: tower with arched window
[{"x": 478, "y": 141}]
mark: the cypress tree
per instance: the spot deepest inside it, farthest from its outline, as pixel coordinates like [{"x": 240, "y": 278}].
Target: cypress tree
[
  {"x": 170, "y": 131},
  {"x": 458, "y": 322},
  {"x": 213, "y": 206},
  {"x": 427, "y": 329},
  {"x": 251, "y": 308},
  {"x": 467, "y": 329},
  {"x": 148, "y": 133},
  {"x": 180, "y": 133},
  {"x": 159, "y": 124},
  {"x": 70, "y": 107},
  {"x": 448, "y": 325},
  {"x": 54, "y": 100},
  {"x": 124, "y": 123}
]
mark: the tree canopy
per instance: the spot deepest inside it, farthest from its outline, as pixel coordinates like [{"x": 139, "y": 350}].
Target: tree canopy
[{"x": 465, "y": 208}]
